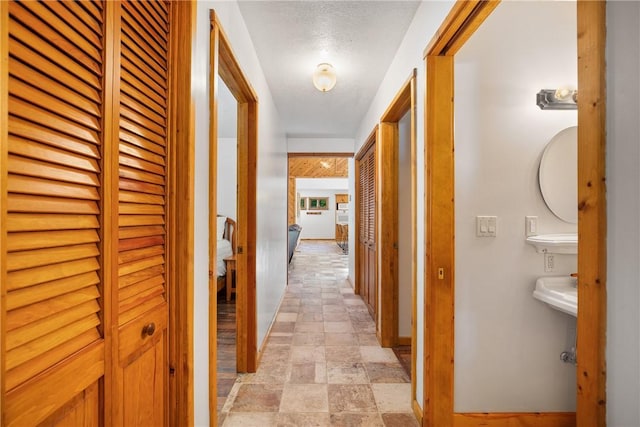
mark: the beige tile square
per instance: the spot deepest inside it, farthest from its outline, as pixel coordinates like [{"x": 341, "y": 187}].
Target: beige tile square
[
  {"x": 287, "y": 317},
  {"x": 346, "y": 354},
  {"x": 308, "y": 373},
  {"x": 368, "y": 340},
  {"x": 400, "y": 420},
  {"x": 318, "y": 419},
  {"x": 339, "y": 327},
  {"x": 306, "y": 354},
  {"x": 386, "y": 373},
  {"x": 392, "y": 397},
  {"x": 351, "y": 398},
  {"x": 356, "y": 420},
  {"x": 257, "y": 398},
  {"x": 346, "y": 373},
  {"x": 311, "y": 338},
  {"x": 309, "y": 327},
  {"x": 378, "y": 354},
  {"x": 304, "y": 398},
  {"x": 336, "y": 338},
  {"x": 310, "y": 317},
  {"x": 243, "y": 419}
]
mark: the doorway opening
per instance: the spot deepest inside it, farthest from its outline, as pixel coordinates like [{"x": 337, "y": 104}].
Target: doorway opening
[{"x": 241, "y": 265}]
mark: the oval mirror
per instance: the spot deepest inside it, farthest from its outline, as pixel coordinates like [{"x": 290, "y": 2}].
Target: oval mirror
[{"x": 558, "y": 175}]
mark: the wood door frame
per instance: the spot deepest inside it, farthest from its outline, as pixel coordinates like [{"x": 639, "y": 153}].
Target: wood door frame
[
  {"x": 223, "y": 63},
  {"x": 370, "y": 141},
  {"x": 464, "y": 18},
  {"x": 180, "y": 218},
  {"x": 403, "y": 102}
]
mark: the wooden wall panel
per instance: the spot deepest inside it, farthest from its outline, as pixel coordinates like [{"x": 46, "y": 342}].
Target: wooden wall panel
[{"x": 318, "y": 167}]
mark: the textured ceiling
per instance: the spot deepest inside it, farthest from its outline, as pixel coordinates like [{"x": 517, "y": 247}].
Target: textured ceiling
[{"x": 359, "y": 38}]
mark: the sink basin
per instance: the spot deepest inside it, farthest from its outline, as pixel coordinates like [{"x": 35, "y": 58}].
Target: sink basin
[
  {"x": 559, "y": 292},
  {"x": 555, "y": 243}
]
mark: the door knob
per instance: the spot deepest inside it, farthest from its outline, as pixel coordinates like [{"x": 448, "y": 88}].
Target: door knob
[{"x": 148, "y": 330}]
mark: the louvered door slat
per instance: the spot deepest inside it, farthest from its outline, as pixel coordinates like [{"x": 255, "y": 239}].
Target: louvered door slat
[
  {"x": 88, "y": 28},
  {"x": 156, "y": 26},
  {"x": 139, "y": 163},
  {"x": 135, "y": 87},
  {"x": 134, "y": 152},
  {"x": 48, "y": 239},
  {"x": 133, "y": 179},
  {"x": 26, "y": 111},
  {"x": 43, "y": 83},
  {"x": 52, "y": 170},
  {"x": 92, "y": 9},
  {"x": 31, "y": 185},
  {"x": 39, "y": 222},
  {"x": 141, "y": 183},
  {"x": 130, "y": 197},
  {"x": 37, "y": 61},
  {"x": 28, "y": 203},
  {"x": 38, "y": 257},
  {"x": 45, "y": 291},
  {"x": 137, "y": 74},
  {"x": 140, "y": 287},
  {"x": 135, "y": 232},
  {"x": 38, "y": 328},
  {"x": 28, "y": 38},
  {"x": 141, "y": 51},
  {"x": 141, "y": 131},
  {"x": 149, "y": 274},
  {"x": 148, "y": 99},
  {"x": 47, "y": 136},
  {"x": 41, "y": 362},
  {"x": 57, "y": 35},
  {"x": 132, "y": 220},
  {"x": 138, "y": 31},
  {"x": 54, "y": 104},
  {"x": 24, "y": 278},
  {"x": 37, "y": 347},
  {"x": 142, "y": 109}
]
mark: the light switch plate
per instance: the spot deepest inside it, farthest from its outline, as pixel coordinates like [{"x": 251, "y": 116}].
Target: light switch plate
[
  {"x": 486, "y": 226},
  {"x": 530, "y": 226}
]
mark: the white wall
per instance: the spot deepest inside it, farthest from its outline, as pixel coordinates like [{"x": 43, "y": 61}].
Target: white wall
[
  {"x": 322, "y": 223},
  {"x": 404, "y": 226},
  {"x": 320, "y": 145},
  {"x": 507, "y": 344},
  {"x": 227, "y": 177},
  {"x": 271, "y": 247},
  {"x": 623, "y": 205},
  {"x": 409, "y": 56}
]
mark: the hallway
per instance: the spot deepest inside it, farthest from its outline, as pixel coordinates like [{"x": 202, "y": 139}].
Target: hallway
[{"x": 322, "y": 365}]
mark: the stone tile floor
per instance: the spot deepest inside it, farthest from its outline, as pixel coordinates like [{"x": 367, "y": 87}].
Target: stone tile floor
[{"x": 322, "y": 364}]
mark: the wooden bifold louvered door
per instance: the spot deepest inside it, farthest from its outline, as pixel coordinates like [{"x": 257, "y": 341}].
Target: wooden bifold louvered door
[
  {"x": 367, "y": 228},
  {"x": 84, "y": 238}
]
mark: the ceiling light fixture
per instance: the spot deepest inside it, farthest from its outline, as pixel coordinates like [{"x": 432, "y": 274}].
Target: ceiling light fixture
[{"x": 324, "y": 77}]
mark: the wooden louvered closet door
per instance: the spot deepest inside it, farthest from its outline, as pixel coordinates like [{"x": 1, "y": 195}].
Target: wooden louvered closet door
[
  {"x": 85, "y": 242},
  {"x": 142, "y": 296},
  {"x": 367, "y": 230},
  {"x": 54, "y": 350}
]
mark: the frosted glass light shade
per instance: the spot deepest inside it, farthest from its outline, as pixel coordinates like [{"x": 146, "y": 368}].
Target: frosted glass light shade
[{"x": 324, "y": 77}]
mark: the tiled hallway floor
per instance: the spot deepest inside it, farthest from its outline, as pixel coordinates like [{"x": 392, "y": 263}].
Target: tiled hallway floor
[{"x": 322, "y": 365}]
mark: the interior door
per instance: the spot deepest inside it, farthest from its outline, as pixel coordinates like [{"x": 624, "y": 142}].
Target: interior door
[
  {"x": 141, "y": 375},
  {"x": 366, "y": 233},
  {"x": 52, "y": 330}
]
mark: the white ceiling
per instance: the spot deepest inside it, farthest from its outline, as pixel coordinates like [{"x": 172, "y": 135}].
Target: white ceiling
[{"x": 359, "y": 38}]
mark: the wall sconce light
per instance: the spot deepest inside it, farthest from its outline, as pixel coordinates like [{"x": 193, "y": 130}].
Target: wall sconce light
[
  {"x": 324, "y": 77},
  {"x": 557, "y": 99}
]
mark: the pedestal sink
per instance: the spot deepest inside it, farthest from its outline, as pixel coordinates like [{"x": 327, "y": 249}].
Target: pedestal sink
[{"x": 560, "y": 292}]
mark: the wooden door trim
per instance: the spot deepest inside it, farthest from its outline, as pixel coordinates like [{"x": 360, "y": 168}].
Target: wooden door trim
[
  {"x": 181, "y": 210},
  {"x": 316, "y": 154},
  {"x": 465, "y": 17},
  {"x": 403, "y": 102},
  {"x": 224, "y": 63}
]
